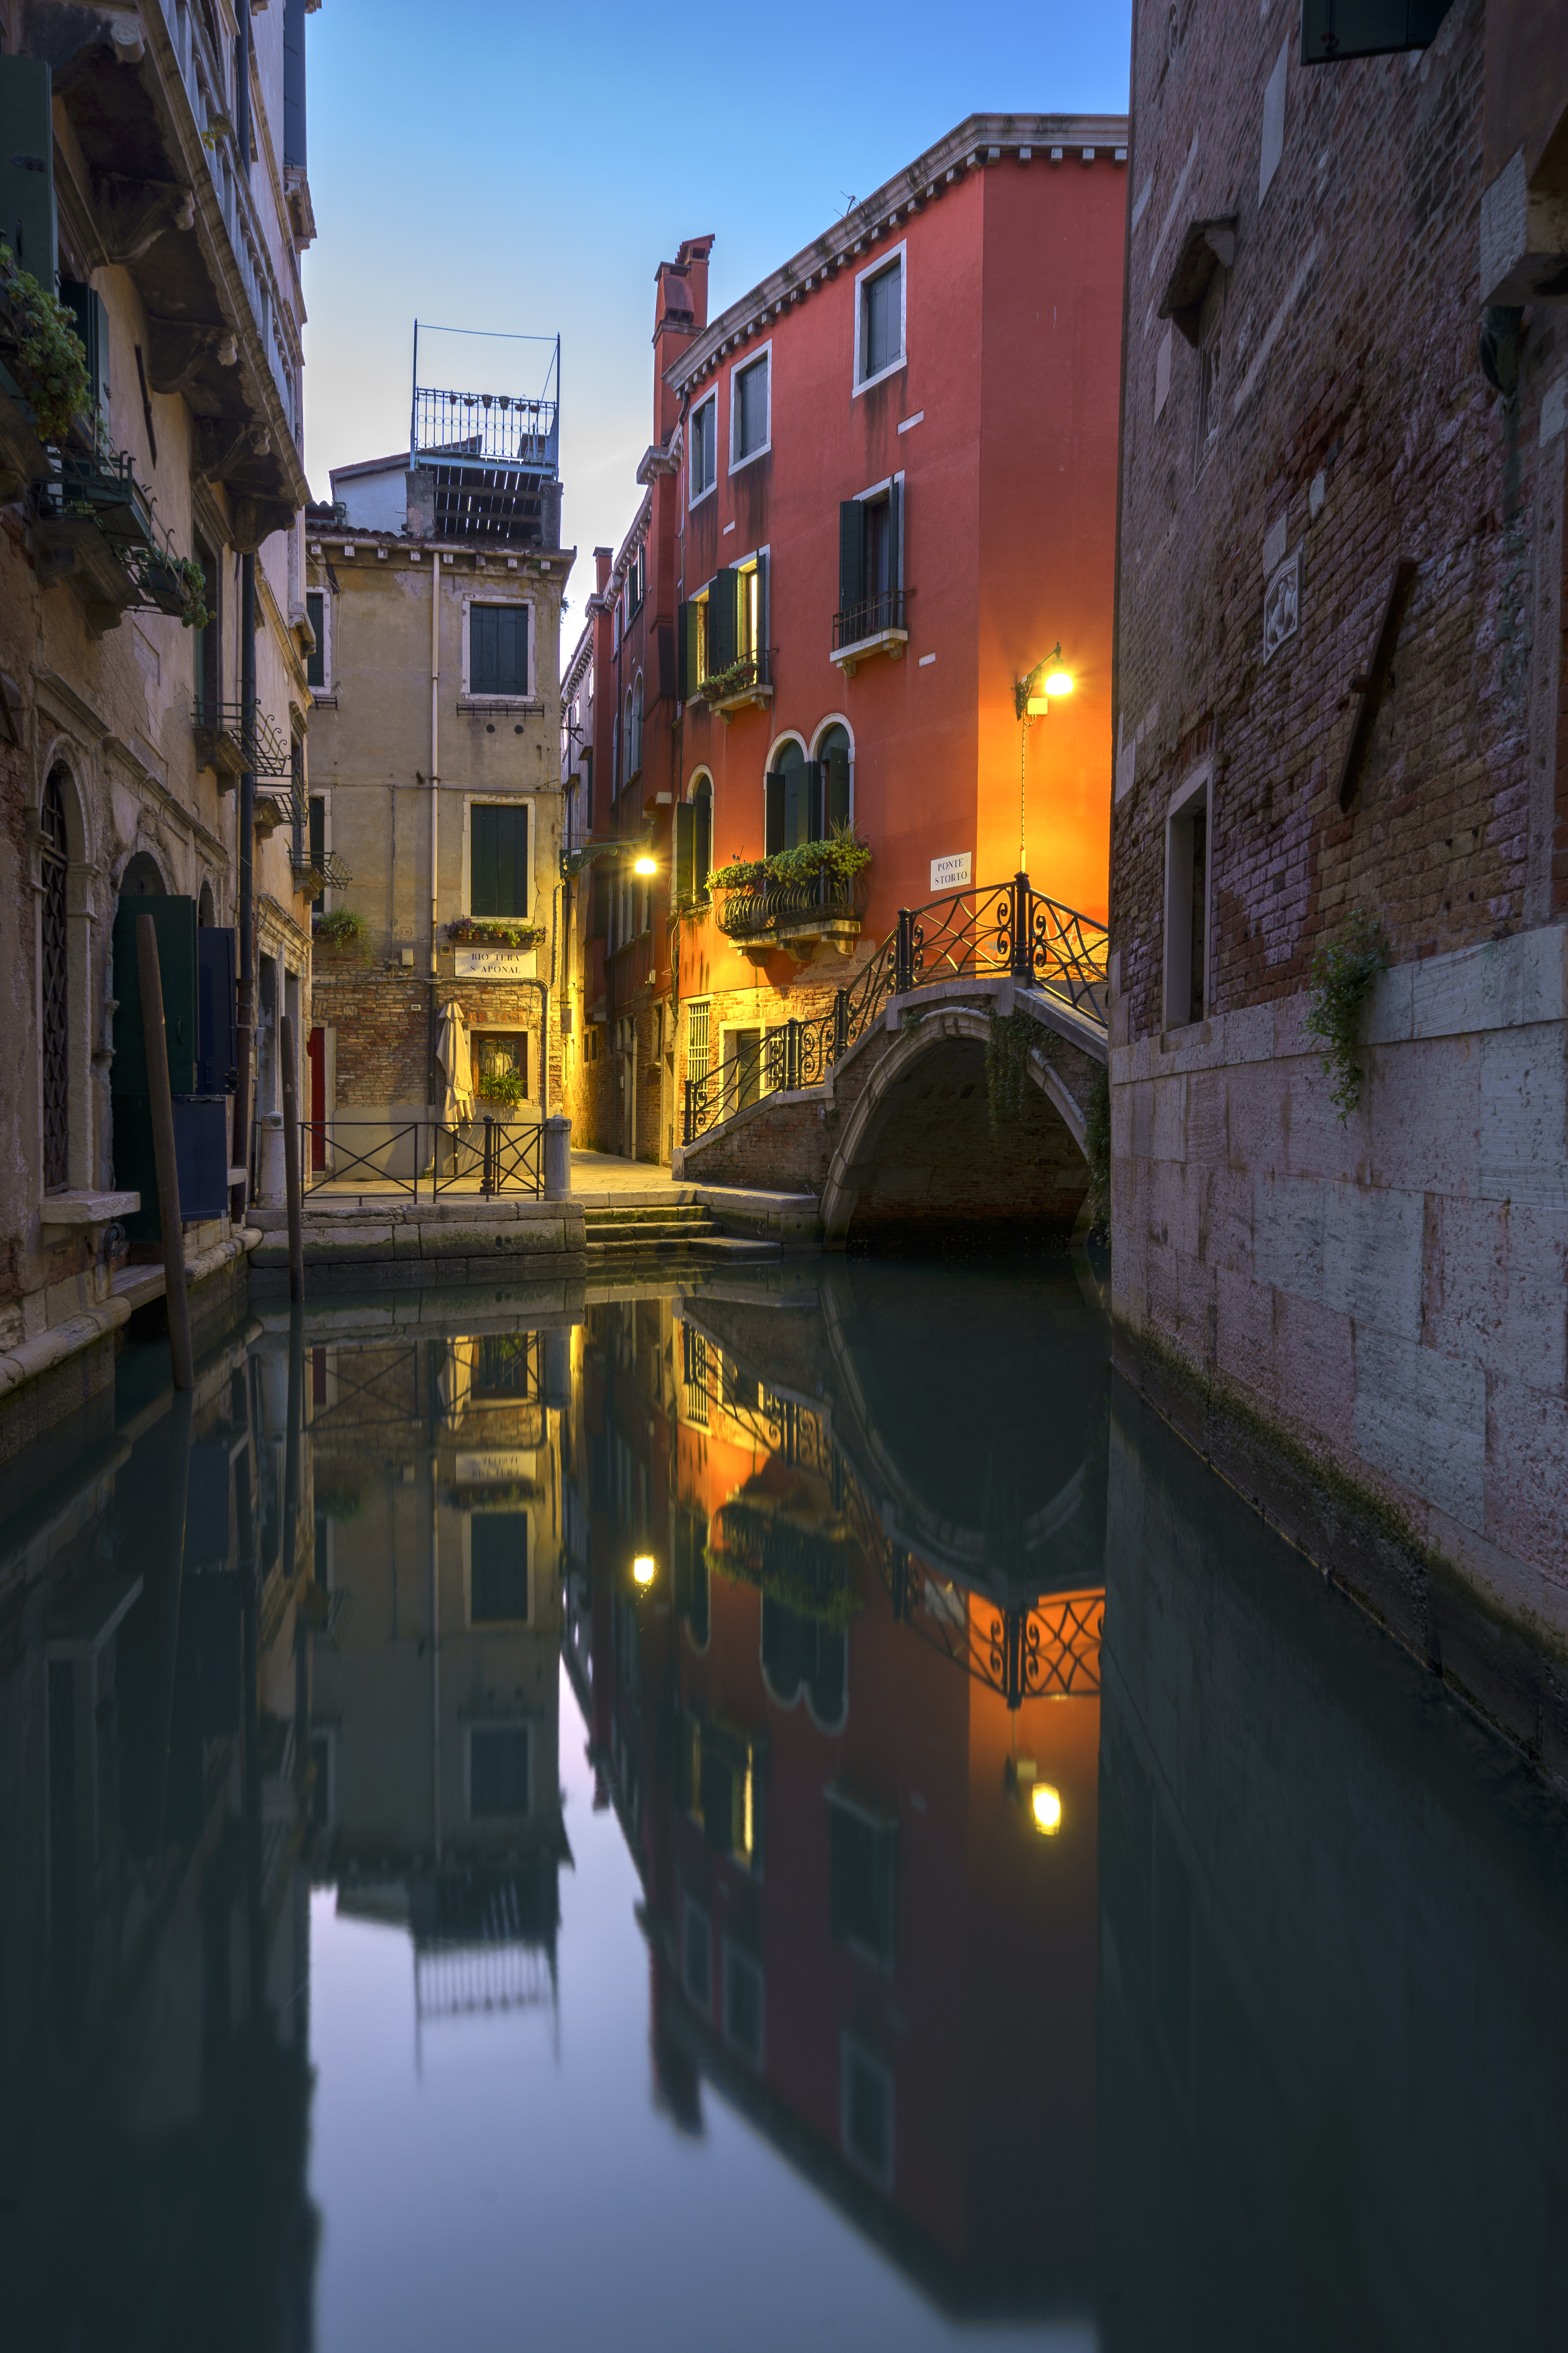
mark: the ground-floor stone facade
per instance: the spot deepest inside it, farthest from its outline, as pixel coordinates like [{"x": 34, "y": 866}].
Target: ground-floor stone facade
[{"x": 1385, "y": 1301}]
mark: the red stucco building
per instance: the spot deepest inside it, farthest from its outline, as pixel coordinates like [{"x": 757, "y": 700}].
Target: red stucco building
[{"x": 881, "y": 492}]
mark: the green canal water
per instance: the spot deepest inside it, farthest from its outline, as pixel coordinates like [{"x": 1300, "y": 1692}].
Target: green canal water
[{"x": 787, "y": 1813}]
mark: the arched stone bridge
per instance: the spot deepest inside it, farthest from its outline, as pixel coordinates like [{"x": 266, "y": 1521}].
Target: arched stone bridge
[{"x": 889, "y": 1126}]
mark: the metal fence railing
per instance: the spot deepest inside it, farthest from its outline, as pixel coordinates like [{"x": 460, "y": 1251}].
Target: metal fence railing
[
  {"x": 488, "y": 1155},
  {"x": 999, "y": 929}
]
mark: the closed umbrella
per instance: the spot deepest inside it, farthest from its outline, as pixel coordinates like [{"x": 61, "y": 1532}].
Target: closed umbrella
[{"x": 454, "y": 1055}]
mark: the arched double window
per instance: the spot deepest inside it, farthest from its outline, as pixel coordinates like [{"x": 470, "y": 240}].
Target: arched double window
[
  {"x": 694, "y": 841},
  {"x": 55, "y": 1038}
]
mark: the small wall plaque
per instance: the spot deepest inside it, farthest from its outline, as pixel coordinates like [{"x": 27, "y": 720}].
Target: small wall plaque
[
  {"x": 493, "y": 964},
  {"x": 952, "y": 873}
]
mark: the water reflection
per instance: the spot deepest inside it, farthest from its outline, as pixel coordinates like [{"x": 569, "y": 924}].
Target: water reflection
[{"x": 878, "y": 1983}]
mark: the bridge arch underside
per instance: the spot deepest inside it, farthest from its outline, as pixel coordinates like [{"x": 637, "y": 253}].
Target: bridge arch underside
[{"x": 918, "y": 1161}]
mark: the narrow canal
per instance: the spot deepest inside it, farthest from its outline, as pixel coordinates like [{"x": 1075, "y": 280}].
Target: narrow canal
[{"x": 790, "y": 1812}]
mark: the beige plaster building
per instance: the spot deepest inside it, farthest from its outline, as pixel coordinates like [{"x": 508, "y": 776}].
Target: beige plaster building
[
  {"x": 436, "y": 588},
  {"x": 154, "y": 171}
]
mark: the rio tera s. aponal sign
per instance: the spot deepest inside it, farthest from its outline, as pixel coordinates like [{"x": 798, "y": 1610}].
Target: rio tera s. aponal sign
[
  {"x": 952, "y": 873},
  {"x": 493, "y": 964}
]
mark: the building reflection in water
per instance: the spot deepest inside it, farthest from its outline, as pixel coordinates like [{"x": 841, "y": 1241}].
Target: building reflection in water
[
  {"x": 840, "y": 1652},
  {"x": 1101, "y": 1916}
]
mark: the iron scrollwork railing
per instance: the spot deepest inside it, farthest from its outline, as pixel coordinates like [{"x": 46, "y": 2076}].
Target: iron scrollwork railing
[
  {"x": 1002, "y": 929},
  {"x": 767, "y": 908},
  {"x": 871, "y": 618}
]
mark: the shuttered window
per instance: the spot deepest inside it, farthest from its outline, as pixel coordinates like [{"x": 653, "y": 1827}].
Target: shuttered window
[
  {"x": 498, "y": 1585},
  {"x": 497, "y": 649},
  {"x": 316, "y": 614},
  {"x": 497, "y": 1770},
  {"x": 704, "y": 447},
  {"x": 749, "y": 415},
  {"x": 318, "y": 831},
  {"x": 497, "y": 883},
  {"x": 881, "y": 320}
]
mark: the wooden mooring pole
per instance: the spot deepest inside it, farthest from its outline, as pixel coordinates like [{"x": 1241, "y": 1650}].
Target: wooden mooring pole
[
  {"x": 163, "y": 1159},
  {"x": 291, "y": 1167}
]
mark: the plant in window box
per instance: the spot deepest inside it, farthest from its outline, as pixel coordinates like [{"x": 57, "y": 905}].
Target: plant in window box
[
  {"x": 738, "y": 874},
  {"x": 47, "y": 355},
  {"x": 487, "y": 931},
  {"x": 176, "y": 584},
  {"x": 342, "y": 928},
  {"x": 842, "y": 855},
  {"x": 732, "y": 680},
  {"x": 502, "y": 1086}
]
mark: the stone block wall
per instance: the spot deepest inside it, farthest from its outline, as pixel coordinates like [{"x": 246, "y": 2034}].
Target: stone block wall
[{"x": 1364, "y": 1321}]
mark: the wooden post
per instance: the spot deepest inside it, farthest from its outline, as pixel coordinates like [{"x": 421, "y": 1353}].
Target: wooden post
[
  {"x": 291, "y": 1167},
  {"x": 162, "y": 1103}
]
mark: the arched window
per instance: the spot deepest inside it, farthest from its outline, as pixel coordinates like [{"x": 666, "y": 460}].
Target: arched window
[
  {"x": 205, "y": 917},
  {"x": 141, "y": 879},
  {"x": 835, "y": 758},
  {"x": 701, "y": 836},
  {"x": 56, "y": 1037},
  {"x": 787, "y": 812}
]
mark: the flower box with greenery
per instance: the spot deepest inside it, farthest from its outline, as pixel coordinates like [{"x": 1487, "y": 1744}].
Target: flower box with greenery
[
  {"x": 45, "y": 352},
  {"x": 738, "y": 874},
  {"x": 499, "y": 1090},
  {"x": 344, "y": 928},
  {"x": 494, "y": 931}
]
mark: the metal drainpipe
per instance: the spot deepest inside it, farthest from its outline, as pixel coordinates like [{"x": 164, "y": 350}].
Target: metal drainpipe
[{"x": 246, "y": 1009}]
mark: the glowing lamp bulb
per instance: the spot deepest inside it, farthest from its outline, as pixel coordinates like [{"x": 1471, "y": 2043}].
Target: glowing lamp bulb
[
  {"x": 644, "y": 866},
  {"x": 642, "y": 1568},
  {"x": 1059, "y": 682},
  {"x": 1047, "y": 1807}
]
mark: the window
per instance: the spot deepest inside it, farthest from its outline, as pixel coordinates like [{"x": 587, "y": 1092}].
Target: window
[
  {"x": 879, "y": 342},
  {"x": 836, "y": 757},
  {"x": 318, "y": 838},
  {"x": 498, "y": 1582},
  {"x": 497, "y": 1770},
  {"x": 315, "y": 660},
  {"x": 697, "y": 1015},
  {"x": 867, "y": 2116},
  {"x": 207, "y": 641},
  {"x": 704, "y": 459},
  {"x": 861, "y": 1880},
  {"x": 498, "y": 1056},
  {"x": 498, "y": 878},
  {"x": 634, "y": 728},
  {"x": 1186, "y": 904},
  {"x": 870, "y": 565},
  {"x": 804, "y": 800},
  {"x": 696, "y": 1957},
  {"x": 636, "y": 582},
  {"x": 749, "y": 608},
  {"x": 1210, "y": 350},
  {"x": 750, "y": 410},
  {"x": 497, "y": 649},
  {"x": 743, "y": 2003},
  {"x": 694, "y": 845}
]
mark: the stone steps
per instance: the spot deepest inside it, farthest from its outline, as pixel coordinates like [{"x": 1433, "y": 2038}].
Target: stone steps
[{"x": 683, "y": 1230}]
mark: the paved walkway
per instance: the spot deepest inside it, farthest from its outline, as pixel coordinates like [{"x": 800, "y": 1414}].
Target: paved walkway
[{"x": 599, "y": 1175}]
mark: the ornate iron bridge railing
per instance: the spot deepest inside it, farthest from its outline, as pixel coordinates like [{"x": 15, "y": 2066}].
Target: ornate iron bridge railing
[
  {"x": 1001, "y": 929},
  {"x": 1041, "y": 1647}
]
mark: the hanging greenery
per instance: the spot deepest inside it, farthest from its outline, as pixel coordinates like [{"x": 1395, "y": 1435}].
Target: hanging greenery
[
  {"x": 1007, "y": 1067},
  {"x": 340, "y": 928},
  {"x": 46, "y": 358},
  {"x": 502, "y": 1086},
  {"x": 1344, "y": 973},
  {"x": 843, "y": 855},
  {"x": 482, "y": 932}
]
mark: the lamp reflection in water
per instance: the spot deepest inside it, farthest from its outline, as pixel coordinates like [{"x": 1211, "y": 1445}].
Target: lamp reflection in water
[
  {"x": 643, "y": 1569},
  {"x": 1047, "y": 1807}
]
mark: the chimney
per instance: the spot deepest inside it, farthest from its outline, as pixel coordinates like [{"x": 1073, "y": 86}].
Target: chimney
[
  {"x": 693, "y": 259},
  {"x": 602, "y": 559}
]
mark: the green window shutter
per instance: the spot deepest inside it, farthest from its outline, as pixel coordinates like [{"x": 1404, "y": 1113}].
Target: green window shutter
[
  {"x": 684, "y": 651},
  {"x": 763, "y": 615},
  {"x": 87, "y": 309},
  {"x": 316, "y": 614},
  {"x": 511, "y": 860},
  {"x": 318, "y": 831},
  {"x": 483, "y": 889},
  {"x": 28, "y": 168},
  {"x": 837, "y": 793},
  {"x": 175, "y": 921},
  {"x": 702, "y": 842},
  {"x": 851, "y": 554},
  {"x": 774, "y": 815},
  {"x": 497, "y": 649},
  {"x": 894, "y": 525},
  {"x": 816, "y": 828},
  {"x": 685, "y": 847},
  {"x": 795, "y": 806}
]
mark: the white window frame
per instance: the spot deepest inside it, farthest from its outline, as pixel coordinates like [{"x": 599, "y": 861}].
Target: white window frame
[
  {"x": 497, "y": 1724},
  {"x": 884, "y": 261},
  {"x": 512, "y": 701},
  {"x": 694, "y": 498},
  {"x": 499, "y": 800},
  {"x": 741, "y": 368},
  {"x": 322, "y": 588},
  {"x": 1195, "y": 792},
  {"x": 496, "y": 1625}
]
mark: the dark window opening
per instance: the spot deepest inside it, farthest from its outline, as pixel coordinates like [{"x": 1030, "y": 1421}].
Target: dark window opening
[
  {"x": 498, "y": 1771},
  {"x": 881, "y": 320},
  {"x": 316, "y": 614},
  {"x": 55, "y": 1038},
  {"x": 498, "y": 1587},
  {"x": 861, "y": 1874},
  {"x": 751, "y": 410}
]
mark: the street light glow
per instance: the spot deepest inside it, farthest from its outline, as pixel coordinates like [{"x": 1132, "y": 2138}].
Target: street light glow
[
  {"x": 1059, "y": 682},
  {"x": 642, "y": 1568},
  {"x": 645, "y": 865},
  {"x": 1048, "y": 1806}
]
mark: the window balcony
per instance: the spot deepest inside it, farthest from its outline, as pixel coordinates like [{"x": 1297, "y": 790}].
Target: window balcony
[
  {"x": 742, "y": 685},
  {"x": 875, "y": 626},
  {"x": 796, "y": 916},
  {"x": 93, "y": 528},
  {"x": 232, "y": 737}
]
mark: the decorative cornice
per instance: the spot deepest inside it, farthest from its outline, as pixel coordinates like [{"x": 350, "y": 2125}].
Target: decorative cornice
[{"x": 979, "y": 141}]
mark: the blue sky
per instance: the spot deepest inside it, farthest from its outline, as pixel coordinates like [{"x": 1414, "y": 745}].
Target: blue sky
[{"x": 485, "y": 164}]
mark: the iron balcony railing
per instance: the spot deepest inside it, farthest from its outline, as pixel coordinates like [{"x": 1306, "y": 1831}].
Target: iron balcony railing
[
  {"x": 237, "y": 737},
  {"x": 763, "y": 910},
  {"x": 485, "y": 428},
  {"x": 1002, "y": 929},
  {"x": 869, "y": 619}
]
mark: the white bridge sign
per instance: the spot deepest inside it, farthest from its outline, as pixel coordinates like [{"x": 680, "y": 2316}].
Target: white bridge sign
[{"x": 952, "y": 873}]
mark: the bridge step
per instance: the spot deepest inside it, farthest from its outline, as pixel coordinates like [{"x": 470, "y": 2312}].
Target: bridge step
[{"x": 683, "y": 1232}]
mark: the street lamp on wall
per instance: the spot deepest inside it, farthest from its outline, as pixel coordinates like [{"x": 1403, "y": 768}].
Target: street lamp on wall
[{"x": 1032, "y": 700}]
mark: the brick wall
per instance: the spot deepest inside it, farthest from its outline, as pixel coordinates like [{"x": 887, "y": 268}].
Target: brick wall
[{"x": 381, "y": 1013}]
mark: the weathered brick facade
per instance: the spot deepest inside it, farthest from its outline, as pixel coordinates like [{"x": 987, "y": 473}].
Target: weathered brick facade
[{"x": 1386, "y": 1296}]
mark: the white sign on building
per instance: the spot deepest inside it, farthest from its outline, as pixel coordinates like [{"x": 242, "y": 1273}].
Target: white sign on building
[
  {"x": 493, "y": 964},
  {"x": 952, "y": 873},
  {"x": 486, "y": 1470}
]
